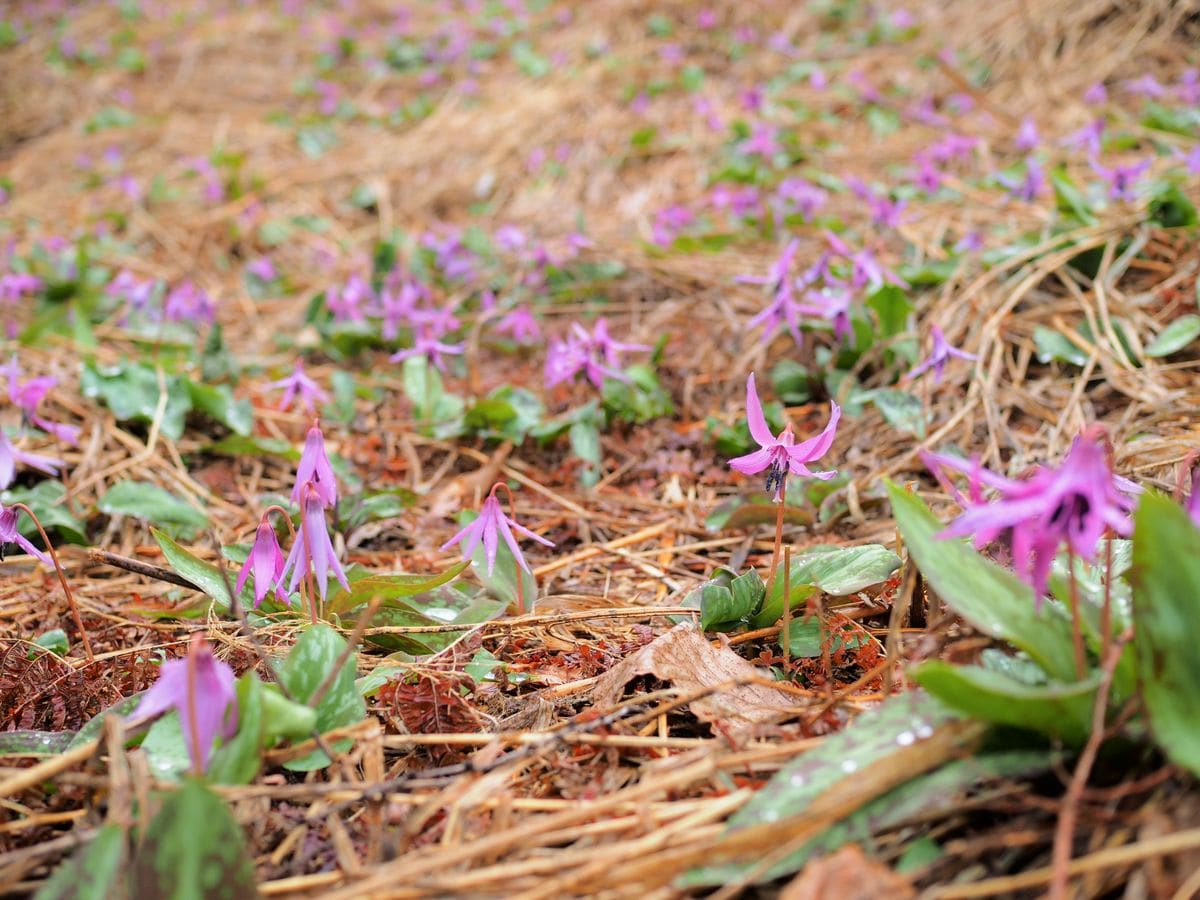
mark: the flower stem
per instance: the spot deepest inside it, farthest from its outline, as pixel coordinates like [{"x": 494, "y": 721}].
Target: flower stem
[
  {"x": 62, "y": 579},
  {"x": 778, "y": 532},
  {"x": 787, "y": 606},
  {"x": 193, "y": 720},
  {"x": 1076, "y": 618}
]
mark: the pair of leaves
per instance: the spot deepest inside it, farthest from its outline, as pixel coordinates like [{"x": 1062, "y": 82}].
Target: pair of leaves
[
  {"x": 193, "y": 850},
  {"x": 134, "y": 391}
]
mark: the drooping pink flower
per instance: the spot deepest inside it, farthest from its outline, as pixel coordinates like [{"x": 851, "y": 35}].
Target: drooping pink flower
[
  {"x": 938, "y": 357},
  {"x": 1073, "y": 504},
  {"x": 315, "y": 469},
  {"x": 298, "y": 384},
  {"x": 28, "y": 397},
  {"x": 201, "y": 688},
  {"x": 10, "y": 456},
  {"x": 491, "y": 525},
  {"x": 9, "y": 534},
  {"x": 1096, "y": 94},
  {"x": 312, "y": 546},
  {"x": 426, "y": 345},
  {"x": 781, "y": 456},
  {"x": 265, "y": 563},
  {"x": 1027, "y": 135}
]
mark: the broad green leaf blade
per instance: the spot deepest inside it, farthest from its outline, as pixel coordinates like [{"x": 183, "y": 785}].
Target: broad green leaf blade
[
  {"x": 218, "y": 403},
  {"x": 47, "y": 500},
  {"x": 143, "y": 500},
  {"x": 941, "y": 789},
  {"x": 389, "y": 587},
  {"x": 165, "y": 749},
  {"x": 1166, "y": 583},
  {"x": 1175, "y": 336},
  {"x": 205, "y": 576},
  {"x": 992, "y": 599},
  {"x": 898, "y": 723},
  {"x": 93, "y": 872},
  {"x": 839, "y": 572},
  {"x": 283, "y": 719},
  {"x": 237, "y": 761},
  {"x": 1060, "y": 710},
  {"x": 95, "y": 725},
  {"x": 305, "y": 670},
  {"x": 34, "y": 743},
  {"x": 132, "y": 391},
  {"x": 193, "y": 850}
]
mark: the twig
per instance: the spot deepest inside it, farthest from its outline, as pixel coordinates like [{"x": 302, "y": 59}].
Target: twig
[{"x": 140, "y": 568}]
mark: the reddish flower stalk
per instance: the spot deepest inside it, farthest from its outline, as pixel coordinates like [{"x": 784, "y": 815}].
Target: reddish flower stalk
[{"x": 9, "y": 534}]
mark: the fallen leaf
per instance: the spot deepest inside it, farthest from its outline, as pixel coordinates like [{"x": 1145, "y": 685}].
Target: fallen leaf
[
  {"x": 683, "y": 657},
  {"x": 848, "y": 874}
]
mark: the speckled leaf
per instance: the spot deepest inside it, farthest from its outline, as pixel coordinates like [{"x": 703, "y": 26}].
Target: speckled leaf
[
  {"x": 1166, "y": 580},
  {"x": 991, "y": 598},
  {"x": 93, "y": 872},
  {"x": 898, "y": 723},
  {"x": 204, "y": 575},
  {"x": 303, "y": 672},
  {"x": 143, "y": 500},
  {"x": 95, "y": 725},
  {"x": 34, "y": 743},
  {"x": 165, "y": 749},
  {"x": 1063, "y": 711},
  {"x": 1175, "y": 337},
  {"x": 364, "y": 585},
  {"x": 193, "y": 850},
  {"x": 839, "y": 572}
]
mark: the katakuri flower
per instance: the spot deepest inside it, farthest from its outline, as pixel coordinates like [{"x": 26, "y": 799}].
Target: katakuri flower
[
  {"x": 1075, "y": 503},
  {"x": 202, "y": 689},
  {"x": 313, "y": 546},
  {"x": 29, "y": 396},
  {"x": 491, "y": 525},
  {"x": 10, "y": 535},
  {"x": 298, "y": 384},
  {"x": 938, "y": 357},
  {"x": 10, "y": 456},
  {"x": 781, "y": 456},
  {"x": 314, "y": 468},
  {"x": 265, "y": 563}
]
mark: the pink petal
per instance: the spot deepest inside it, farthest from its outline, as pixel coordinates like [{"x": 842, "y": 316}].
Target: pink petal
[
  {"x": 816, "y": 447},
  {"x": 753, "y": 463},
  {"x": 754, "y": 416}
]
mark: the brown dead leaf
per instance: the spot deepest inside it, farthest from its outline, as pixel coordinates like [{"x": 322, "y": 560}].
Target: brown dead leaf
[
  {"x": 683, "y": 657},
  {"x": 848, "y": 874}
]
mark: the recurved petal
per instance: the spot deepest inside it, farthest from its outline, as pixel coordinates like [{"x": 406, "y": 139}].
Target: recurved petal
[
  {"x": 752, "y": 463},
  {"x": 754, "y": 416},
  {"x": 816, "y": 447}
]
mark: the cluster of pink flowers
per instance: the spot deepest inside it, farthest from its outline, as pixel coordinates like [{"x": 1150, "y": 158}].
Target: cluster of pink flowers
[{"x": 594, "y": 354}]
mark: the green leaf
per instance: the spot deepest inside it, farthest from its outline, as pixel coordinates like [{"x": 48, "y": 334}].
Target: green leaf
[
  {"x": 585, "y": 444},
  {"x": 804, "y": 638},
  {"x": 237, "y": 760},
  {"x": 1069, "y": 198},
  {"x": 839, "y": 572},
  {"x": 93, "y": 872},
  {"x": 1171, "y": 208},
  {"x": 316, "y": 140},
  {"x": 1166, "y": 583},
  {"x": 34, "y": 743},
  {"x": 165, "y": 749},
  {"x": 1175, "y": 337},
  {"x": 47, "y": 500},
  {"x": 218, "y": 403},
  {"x": 373, "y": 506},
  {"x": 991, "y": 598},
  {"x": 193, "y": 850},
  {"x": 205, "y": 576},
  {"x": 365, "y": 585},
  {"x": 902, "y": 410},
  {"x": 132, "y": 392},
  {"x": 1054, "y": 346},
  {"x": 54, "y": 640},
  {"x": 284, "y": 719},
  {"x": 149, "y": 502},
  {"x": 302, "y": 673},
  {"x": 482, "y": 664},
  {"x": 242, "y": 445},
  {"x": 1062, "y": 711},
  {"x": 896, "y": 724},
  {"x": 893, "y": 308}
]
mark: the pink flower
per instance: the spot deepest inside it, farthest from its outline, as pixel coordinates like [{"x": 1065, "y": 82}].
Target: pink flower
[
  {"x": 781, "y": 455},
  {"x": 426, "y": 345},
  {"x": 938, "y": 357},
  {"x": 10, "y": 535},
  {"x": 265, "y": 563},
  {"x": 297, "y": 384},
  {"x": 10, "y": 456},
  {"x": 1074, "y": 503},
  {"x": 315, "y": 469},
  {"x": 313, "y": 546},
  {"x": 489, "y": 527},
  {"x": 521, "y": 325},
  {"x": 201, "y": 688},
  {"x": 1122, "y": 180},
  {"x": 1027, "y": 135}
]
